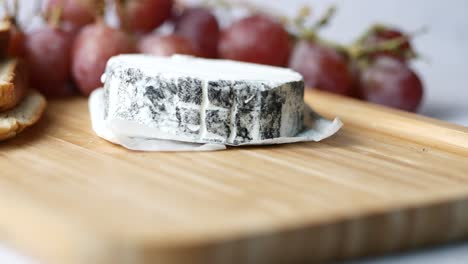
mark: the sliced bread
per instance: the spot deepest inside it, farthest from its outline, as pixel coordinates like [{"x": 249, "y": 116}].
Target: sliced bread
[
  {"x": 26, "y": 114},
  {"x": 13, "y": 83}
]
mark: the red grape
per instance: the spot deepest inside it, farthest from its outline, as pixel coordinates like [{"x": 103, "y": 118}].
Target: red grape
[
  {"x": 5, "y": 30},
  {"x": 76, "y": 12},
  {"x": 322, "y": 67},
  {"x": 257, "y": 39},
  {"x": 16, "y": 46},
  {"x": 165, "y": 45},
  {"x": 93, "y": 47},
  {"x": 145, "y": 15},
  {"x": 380, "y": 35},
  {"x": 48, "y": 53},
  {"x": 389, "y": 81},
  {"x": 201, "y": 28},
  {"x": 355, "y": 71}
]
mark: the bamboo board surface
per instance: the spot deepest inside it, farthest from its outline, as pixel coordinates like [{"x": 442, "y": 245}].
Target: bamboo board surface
[{"x": 388, "y": 181}]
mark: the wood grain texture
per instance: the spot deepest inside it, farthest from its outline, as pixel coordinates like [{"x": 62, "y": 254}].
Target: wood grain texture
[{"x": 388, "y": 181}]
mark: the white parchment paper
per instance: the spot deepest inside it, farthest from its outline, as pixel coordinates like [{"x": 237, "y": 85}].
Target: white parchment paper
[{"x": 316, "y": 128}]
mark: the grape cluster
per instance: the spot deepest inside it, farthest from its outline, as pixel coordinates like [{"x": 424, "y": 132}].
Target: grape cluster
[
  {"x": 384, "y": 74},
  {"x": 375, "y": 68}
]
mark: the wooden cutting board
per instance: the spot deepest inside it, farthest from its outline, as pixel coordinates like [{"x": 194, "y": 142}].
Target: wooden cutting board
[{"x": 388, "y": 181}]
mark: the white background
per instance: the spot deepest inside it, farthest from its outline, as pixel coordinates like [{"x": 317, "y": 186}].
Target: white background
[{"x": 445, "y": 49}]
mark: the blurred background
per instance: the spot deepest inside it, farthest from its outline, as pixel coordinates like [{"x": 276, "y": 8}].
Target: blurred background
[{"x": 443, "y": 48}]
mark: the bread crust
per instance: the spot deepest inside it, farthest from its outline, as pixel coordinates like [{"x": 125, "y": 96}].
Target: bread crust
[
  {"x": 13, "y": 83},
  {"x": 24, "y": 115}
]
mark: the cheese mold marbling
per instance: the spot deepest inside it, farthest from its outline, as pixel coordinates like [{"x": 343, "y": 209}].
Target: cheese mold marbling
[{"x": 214, "y": 102}]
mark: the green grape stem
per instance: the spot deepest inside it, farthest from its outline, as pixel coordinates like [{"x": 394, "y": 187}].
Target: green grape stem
[
  {"x": 326, "y": 18},
  {"x": 100, "y": 8},
  {"x": 55, "y": 16},
  {"x": 309, "y": 33},
  {"x": 358, "y": 51}
]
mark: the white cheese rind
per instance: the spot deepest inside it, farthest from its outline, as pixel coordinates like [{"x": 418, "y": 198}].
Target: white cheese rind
[{"x": 168, "y": 99}]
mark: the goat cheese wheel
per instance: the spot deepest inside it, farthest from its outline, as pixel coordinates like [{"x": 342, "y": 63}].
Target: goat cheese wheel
[{"x": 202, "y": 100}]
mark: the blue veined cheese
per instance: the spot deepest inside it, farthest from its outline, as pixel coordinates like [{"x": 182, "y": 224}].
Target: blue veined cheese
[{"x": 201, "y": 100}]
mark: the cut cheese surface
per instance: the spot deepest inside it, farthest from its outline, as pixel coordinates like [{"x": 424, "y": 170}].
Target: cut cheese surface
[{"x": 316, "y": 128}]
